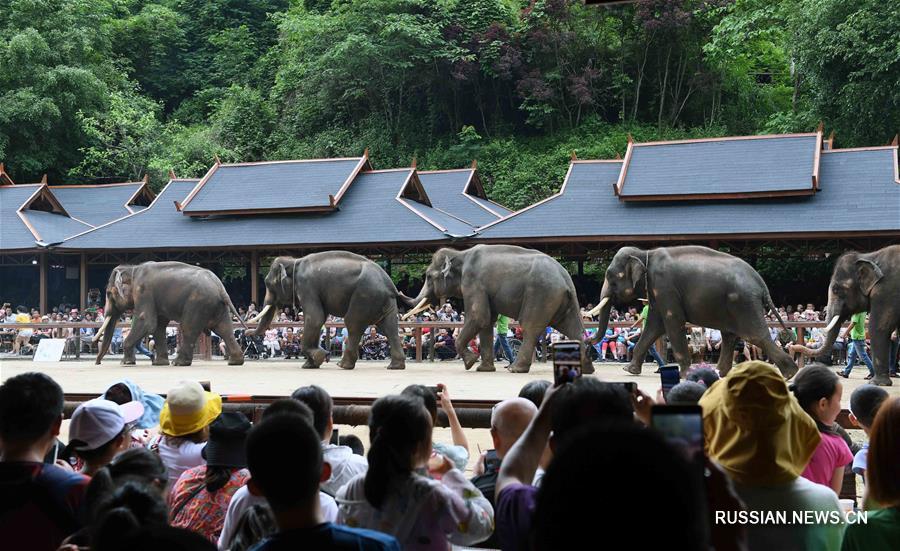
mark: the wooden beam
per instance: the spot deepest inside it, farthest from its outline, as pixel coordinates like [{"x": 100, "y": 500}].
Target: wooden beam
[
  {"x": 43, "y": 275},
  {"x": 254, "y": 278},
  {"x": 82, "y": 280}
]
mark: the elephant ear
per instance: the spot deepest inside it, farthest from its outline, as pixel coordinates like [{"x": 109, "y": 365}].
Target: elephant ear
[
  {"x": 869, "y": 274},
  {"x": 635, "y": 271},
  {"x": 283, "y": 279},
  {"x": 447, "y": 267}
]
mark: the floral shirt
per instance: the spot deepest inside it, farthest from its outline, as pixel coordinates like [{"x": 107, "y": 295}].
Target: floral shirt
[
  {"x": 421, "y": 513},
  {"x": 203, "y": 513}
]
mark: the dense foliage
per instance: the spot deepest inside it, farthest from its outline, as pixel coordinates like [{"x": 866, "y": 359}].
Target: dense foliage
[{"x": 106, "y": 90}]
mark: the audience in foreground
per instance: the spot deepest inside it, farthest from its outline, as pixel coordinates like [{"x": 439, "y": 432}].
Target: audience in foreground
[{"x": 864, "y": 404}]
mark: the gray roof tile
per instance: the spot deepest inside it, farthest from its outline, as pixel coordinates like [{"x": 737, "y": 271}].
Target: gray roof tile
[
  {"x": 445, "y": 190},
  {"x": 14, "y": 233},
  {"x": 96, "y": 205}
]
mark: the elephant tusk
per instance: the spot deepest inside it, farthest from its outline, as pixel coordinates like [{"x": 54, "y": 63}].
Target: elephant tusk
[
  {"x": 259, "y": 316},
  {"x": 831, "y": 324},
  {"x": 102, "y": 330},
  {"x": 423, "y": 305},
  {"x": 599, "y": 307}
]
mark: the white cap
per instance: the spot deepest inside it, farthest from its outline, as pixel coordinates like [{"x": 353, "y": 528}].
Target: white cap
[{"x": 98, "y": 421}]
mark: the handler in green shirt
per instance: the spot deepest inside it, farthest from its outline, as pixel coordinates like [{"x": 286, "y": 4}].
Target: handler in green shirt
[
  {"x": 500, "y": 341},
  {"x": 645, "y": 313},
  {"x": 856, "y": 345}
]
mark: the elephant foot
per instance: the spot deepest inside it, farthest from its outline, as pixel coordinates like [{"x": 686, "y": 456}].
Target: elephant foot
[
  {"x": 177, "y": 362},
  {"x": 486, "y": 366},
  {"x": 236, "y": 361},
  {"x": 469, "y": 360},
  {"x": 633, "y": 369},
  {"x": 881, "y": 380},
  {"x": 519, "y": 368},
  {"x": 309, "y": 365},
  {"x": 128, "y": 362},
  {"x": 587, "y": 368},
  {"x": 316, "y": 356},
  {"x": 397, "y": 365}
]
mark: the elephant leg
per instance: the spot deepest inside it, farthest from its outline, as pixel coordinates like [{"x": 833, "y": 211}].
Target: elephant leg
[
  {"x": 653, "y": 330},
  {"x": 141, "y": 326},
  {"x": 674, "y": 325},
  {"x": 573, "y": 329},
  {"x": 226, "y": 332},
  {"x": 389, "y": 327},
  {"x": 880, "y": 327},
  {"x": 160, "y": 351},
  {"x": 351, "y": 345},
  {"x": 190, "y": 330},
  {"x": 470, "y": 328},
  {"x": 726, "y": 353},
  {"x": 313, "y": 319},
  {"x": 486, "y": 348},
  {"x": 775, "y": 353},
  {"x": 530, "y": 334}
]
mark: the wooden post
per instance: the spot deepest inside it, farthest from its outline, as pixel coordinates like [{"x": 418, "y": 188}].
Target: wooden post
[
  {"x": 254, "y": 278},
  {"x": 82, "y": 280},
  {"x": 43, "y": 275},
  {"x": 204, "y": 346},
  {"x": 418, "y": 333},
  {"x": 581, "y": 267}
]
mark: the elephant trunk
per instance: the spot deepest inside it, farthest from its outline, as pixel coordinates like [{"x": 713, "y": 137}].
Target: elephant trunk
[
  {"x": 107, "y": 330},
  {"x": 835, "y": 320},
  {"x": 423, "y": 300},
  {"x": 265, "y": 316},
  {"x": 602, "y": 313}
]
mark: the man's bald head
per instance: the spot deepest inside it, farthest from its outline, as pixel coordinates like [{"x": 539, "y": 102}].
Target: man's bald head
[{"x": 508, "y": 421}]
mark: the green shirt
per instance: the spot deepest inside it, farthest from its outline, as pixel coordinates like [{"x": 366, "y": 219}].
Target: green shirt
[
  {"x": 502, "y": 325},
  {"x": 859, "y": 327},
  {"x": 644, "y": 313},
  {"x": 881, "y": 528}
]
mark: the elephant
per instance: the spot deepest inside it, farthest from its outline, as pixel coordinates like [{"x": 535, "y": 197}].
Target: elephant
[
  {"x": 524, "y": 284},
  {"x": 866, "y": 282},
  {"x": 697, "y": 285},
  {"x": 340, "y": 284},
  {"x": 160, "y": 292}
]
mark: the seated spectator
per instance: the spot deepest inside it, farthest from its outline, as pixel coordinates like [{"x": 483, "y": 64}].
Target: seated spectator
[
  {"x": 864, "y": 404},
  {"x": 286, "y": 465},
  {"x": 697, "y": 343},
  {"x": 563, "y": 410},
  {"x": 184, "y": 426},
  {"x": 685, "y": 393},
  {"x": 763, "y": 440},
  {"x": 572, "y": 484},
  {"x": 24, "y": 335},
  {"x": 422, "y": 513},
  {"x": 99, "y": 430},
  {"x": 375, "y": 345},
  {"x": 444, "y": 345},
  {"x": 125, "y": 391},
  {"x": 41, "y": 503},
  {"x": 882, "y": 527},
  {"x": 270, "y": 341},
  {"x": 343, "y": 463},
  {"x": 199, "y": 499},
  {"x": 713, "y": 340},
  {"x": 291, "y": 346},
  {"x": 818, "y": 391},
  {"x": 534, "y": 391},
  {"x": 445, "y": 456}
]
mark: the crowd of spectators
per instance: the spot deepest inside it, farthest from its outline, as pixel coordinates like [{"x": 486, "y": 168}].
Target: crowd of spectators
[{"x": 569, "y": 464}]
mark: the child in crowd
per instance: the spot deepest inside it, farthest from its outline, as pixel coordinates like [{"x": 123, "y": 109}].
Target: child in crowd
[
  {"x": 818, "y": 391},
  {"x": 864, "y": 404},
  {"x": 99, "y": 430}
]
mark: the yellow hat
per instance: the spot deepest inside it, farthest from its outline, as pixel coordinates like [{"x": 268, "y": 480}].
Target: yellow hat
[
  {"x": 754, "y": 427},
  {"x": 188, "y": 408}
]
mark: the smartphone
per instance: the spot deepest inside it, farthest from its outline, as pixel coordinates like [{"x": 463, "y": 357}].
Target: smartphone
[
  {"x": 435, "y": 390},
  {"x": 630, "y": 388},
  {"x": 669, "y": 376},
  {"x": 334, "y": 437},
  {"x": 491, "y": 461},
  {"x": 566, "y": 356},
  {"x": 682, "y": 427}
]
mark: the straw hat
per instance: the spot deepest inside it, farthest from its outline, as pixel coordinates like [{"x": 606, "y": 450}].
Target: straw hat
[{"x": 188, "y": 408}]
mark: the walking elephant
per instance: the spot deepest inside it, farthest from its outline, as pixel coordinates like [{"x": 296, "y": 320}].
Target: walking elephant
[
  {"x": 335, "y": 283},
  {"x": 524, "y": 284},
  {"x": 160, "y": 292},
  {"x": 867, "y": 282},
  {"x": 696, "y": 285}
]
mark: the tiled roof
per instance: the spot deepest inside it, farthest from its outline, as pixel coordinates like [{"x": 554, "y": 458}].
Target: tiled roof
[
  {"x": 859, "y": 191},
  {"x": 734, "y": 167},
  {"x": 455, "y": 192},
  {"x": 273, "y": 187},
  {"x": 21, "y": 229},
  {"x": 98, "y": 204}
]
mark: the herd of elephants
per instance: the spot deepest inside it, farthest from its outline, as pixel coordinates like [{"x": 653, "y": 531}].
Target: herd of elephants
[{"x": 684, "y": 284}]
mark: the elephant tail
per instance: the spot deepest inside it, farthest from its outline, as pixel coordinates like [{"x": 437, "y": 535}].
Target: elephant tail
[
  {"x": 408, "y": 301},
  {"x": 769, "y": 304},
  {"x": 234, "y": 312}
]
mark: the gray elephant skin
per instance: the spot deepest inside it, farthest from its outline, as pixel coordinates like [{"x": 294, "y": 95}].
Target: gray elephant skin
[
  {"x": 524, "y": 284},
  {"x": 335, "y": 283},
  {"x": 696, "y": 285},
  {"x": 160, "y": 292},
  {"x": 867, "y": 282}
]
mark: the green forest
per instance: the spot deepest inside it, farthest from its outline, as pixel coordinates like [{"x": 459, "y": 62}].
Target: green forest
[{"x": 101, "y": 91}]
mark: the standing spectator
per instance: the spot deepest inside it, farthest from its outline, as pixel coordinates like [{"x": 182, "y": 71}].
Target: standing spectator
[
  {"x": 199, "y": 500},
  {"x": 41, "y": 503},
  {"x": 99, "y": 430},
  {"x": 882, "y": 527},
  {"x": 420, "y": 512},
  {"x": 763, "y": 440},
  {"x": 444, "y": 345},
  {"x": 864, "y": 404},
  {"x": 184, "y": 423},
  {"x": 501, "y": 342},
  {"x": 857, "y": 345},
  {"x": 285, "y": 461}
]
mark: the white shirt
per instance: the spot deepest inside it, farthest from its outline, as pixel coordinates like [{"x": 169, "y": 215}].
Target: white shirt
[
  {"x": 179, "y": 455},
  {"x": 714, "y": 335},
  {"x": 344, "y": 466},
  {"x": 243, "y": 500},
  {"x": 799, "y": 495}
]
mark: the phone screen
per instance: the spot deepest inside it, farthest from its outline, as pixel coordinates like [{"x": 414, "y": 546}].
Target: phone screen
[
  {"x": 334, "y": 437},
  {"x": 682, "y": 427},
  {"x": 566, "y": 361},
  {"x": 669, "y": 376}
]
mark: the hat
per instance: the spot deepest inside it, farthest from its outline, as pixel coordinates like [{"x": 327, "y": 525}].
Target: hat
[
  {"x": 188, "y": 408},
  {"x": 97, "y": 421},
  {"x": 227, "y": 436}
]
